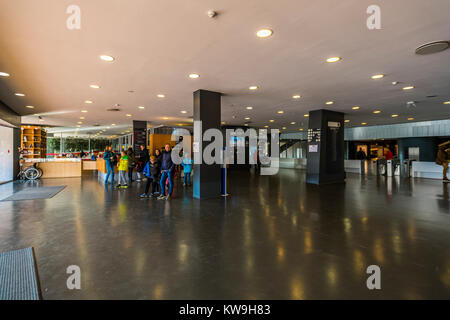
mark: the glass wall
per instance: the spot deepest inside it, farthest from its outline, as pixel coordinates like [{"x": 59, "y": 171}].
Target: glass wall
[
  {"x": 74, "y": 147},
  {"x": 294, "y": 149},
  {"x": 122, "y": 143}
]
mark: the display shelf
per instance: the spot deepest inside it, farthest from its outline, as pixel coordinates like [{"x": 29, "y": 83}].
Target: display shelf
[{"x": 34, "y": 141}]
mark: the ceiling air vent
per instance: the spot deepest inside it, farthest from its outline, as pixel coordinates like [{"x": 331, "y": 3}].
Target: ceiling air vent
[
  {"x": 113, "y": 109},
  {"x": 433, "y": 47}
]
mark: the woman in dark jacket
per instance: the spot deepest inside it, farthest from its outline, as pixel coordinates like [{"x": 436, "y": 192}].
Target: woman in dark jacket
[
  {"x": 158, "y": 159},
  {"x": 158, "y": 156},
  {"x": 142, "y": 159},
  {"x": 131, "y": 163}
]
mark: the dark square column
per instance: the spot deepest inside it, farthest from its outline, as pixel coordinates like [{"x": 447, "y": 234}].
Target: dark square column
[
  {"x": 207, "y": 178},
  {"x": 139, "y": 134},
  {"x": 325, "y": 158}
]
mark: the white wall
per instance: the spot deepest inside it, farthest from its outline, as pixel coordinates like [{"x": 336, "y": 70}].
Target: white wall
[{"x": 6, "y": 154}]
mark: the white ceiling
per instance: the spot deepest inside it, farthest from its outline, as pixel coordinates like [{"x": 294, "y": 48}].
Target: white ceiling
[{"x": 157, "y": 44}]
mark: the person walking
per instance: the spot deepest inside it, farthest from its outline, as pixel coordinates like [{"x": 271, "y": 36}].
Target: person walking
[
  {"x": 142, "y": 160},
  {"x": 131, "y": 164},
  {"x": 443, "y": 159},
  {"x": 110, "y": 161},
  {"x": 167, "y": 167},
  {"x": 151, "y": 171},
  {"x": 123, "y": 166},
  {"x": 187, "y": 169}
]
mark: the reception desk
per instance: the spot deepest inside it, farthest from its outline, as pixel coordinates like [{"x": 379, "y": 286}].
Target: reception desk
[
  {"x": 57, "y": 168},
  {"x": 101, "y": 170},
  {"x": 100, "y": 165}
]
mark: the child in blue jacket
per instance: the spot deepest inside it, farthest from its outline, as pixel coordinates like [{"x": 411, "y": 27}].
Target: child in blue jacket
[{"x": 187, "y": 168}]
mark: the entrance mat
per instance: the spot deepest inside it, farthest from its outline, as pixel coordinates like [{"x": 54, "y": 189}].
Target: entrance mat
[
  {"x": 18, "y": 275},
  {"x": 35, "y": 193}
]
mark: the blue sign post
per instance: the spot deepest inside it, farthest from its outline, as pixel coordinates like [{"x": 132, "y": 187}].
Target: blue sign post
[{"x": 223, "y": 189}]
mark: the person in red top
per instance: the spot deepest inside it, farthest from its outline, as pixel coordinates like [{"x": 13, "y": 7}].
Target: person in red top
[{"x": 389, "y": 155}]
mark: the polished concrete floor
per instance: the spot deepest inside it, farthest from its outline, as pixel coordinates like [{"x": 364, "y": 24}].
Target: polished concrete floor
[{"x": 274, "y": 238}]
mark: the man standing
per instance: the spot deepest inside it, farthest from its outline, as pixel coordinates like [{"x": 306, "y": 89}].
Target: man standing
[
  {"x": 443, "y": 158},
  {"x": 360, "y": 155},
  {"x": 110, "y": 161},
  {"x": 167, "y": 167}
]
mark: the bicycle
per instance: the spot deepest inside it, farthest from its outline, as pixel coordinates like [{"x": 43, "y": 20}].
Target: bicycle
[{"x": 29, "y": 173}]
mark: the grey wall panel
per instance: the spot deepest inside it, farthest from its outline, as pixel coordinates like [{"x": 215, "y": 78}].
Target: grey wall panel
[{"x": 404, "y": 130}]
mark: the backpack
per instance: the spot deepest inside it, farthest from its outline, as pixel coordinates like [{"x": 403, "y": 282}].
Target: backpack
[{"x": 114, "y": 160}]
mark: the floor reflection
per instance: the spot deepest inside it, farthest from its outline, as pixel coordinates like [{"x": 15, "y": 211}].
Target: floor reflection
[{"x": 274, "y": 238}]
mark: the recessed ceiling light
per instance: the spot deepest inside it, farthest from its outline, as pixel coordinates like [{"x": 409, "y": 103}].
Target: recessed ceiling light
[
  {"x": 88, "y": 101},
  {"x": 292, "y": 122},
  {"x": 246, "y": 124},
  {"x": 363, "y": 123},
  {"x": 81, "y": 118},
  {"x": 410, "y": 119},
  {"x": 301, "y": 129},
  {"x": 184, "y": 111},
  {"x": 377, "y": 111},
  {"x": 296, "y": 96},
  {"x": 247, "y": 118},
  {"x": 280, "y": 112},
  {"x": 4, "y": 74},
  {"x": 346, "y": 120},
  {"x": 253, "y": 88},
  {"x": 161, "y": 95},
  {"x": 306, "y": 115},
  {"x": 264, "y": 33},
  {"x": 113, "y": 124},
  {"x": 271, "y": 120},
  {"x": 165, "y": 118},
  {"x": 19, "y": 94},
  {"x": 194, "y": 76},
  {"x": 408, "y": 88},
  {"x": 79, "y": 122},
  {"x": 446, "y": 102},
  {"x": 29, "y": 107},
  {"x": 333, "y": 59},
  {"x": 266, "y": 126},
  {"x": 84, "y": 111},
  {"x": 128, "y": 115},
  {"x": 355, "y": 108},
  {"x": 329, "y": 102},
  {"x": 106, "y": 58},
  {"x": 249, "y": 108},
  {"x": 284, "y": 128},
  {"x": 94, "y": 86},
  {"x": 141, "y": 107},
  {"x": 394, "y": 116},
  {"x": 78, "y": 126},
  {"x": 223, "y": 122},
  {"x": 377, "y": 76}
]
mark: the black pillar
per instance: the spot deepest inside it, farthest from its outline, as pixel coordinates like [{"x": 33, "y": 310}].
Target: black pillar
[
  {"x": 207, "y": 177},
  {"x": 139, "y": 134},
  {"x": 325, "y": 147}
]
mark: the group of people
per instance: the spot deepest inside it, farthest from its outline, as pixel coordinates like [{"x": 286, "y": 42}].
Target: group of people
[{"x": 158, "y": 169}]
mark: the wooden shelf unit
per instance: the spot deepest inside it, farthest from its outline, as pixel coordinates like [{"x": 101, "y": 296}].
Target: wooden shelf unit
[{"x": 34, "y": 142}]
